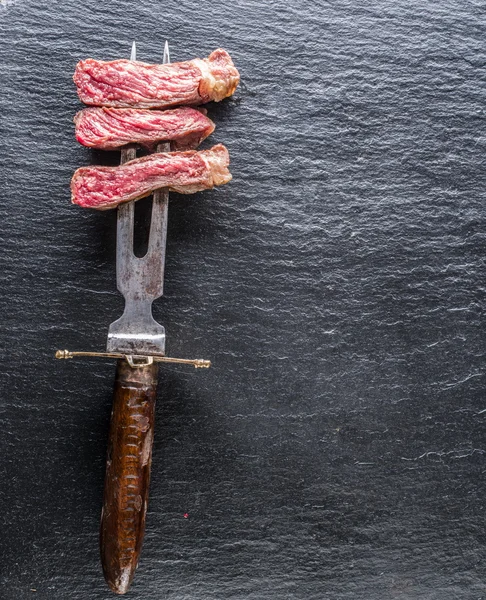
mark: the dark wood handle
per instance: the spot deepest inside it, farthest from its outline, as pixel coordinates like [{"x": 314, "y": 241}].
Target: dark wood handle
[{"x": 127, "y": 473}]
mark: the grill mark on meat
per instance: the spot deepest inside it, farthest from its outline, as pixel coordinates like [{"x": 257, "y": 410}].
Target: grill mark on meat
[
  {"x": 184, "y": 172},
  {"x": 110, "y": 128},
  {"x": 124, "y": 83}
]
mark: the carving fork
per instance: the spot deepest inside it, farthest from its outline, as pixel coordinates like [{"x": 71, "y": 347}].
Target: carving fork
[
  {"x": 138, "y": 342},
  {"x": 129, "y": 455}
]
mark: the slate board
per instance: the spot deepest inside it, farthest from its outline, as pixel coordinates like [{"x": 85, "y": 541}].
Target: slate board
[{"x": 337, "y": 447}]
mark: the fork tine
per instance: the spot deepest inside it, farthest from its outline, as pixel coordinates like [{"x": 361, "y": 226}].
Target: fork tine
[
  {"x": 158, "y": 223},
  {"x": 124, "y": 233},
  {"x": 158, "y": 226},
  {"x": 166, "y": 58},
  {"x": 124, "y": 246}
]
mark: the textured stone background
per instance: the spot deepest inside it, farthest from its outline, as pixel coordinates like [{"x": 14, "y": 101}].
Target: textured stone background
[{"x": 337, "y": 447}]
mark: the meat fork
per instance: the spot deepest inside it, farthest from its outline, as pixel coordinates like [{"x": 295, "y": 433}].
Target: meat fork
[
  {"x": 129, "y": 455},
  {"x": 138, "y": 342}
]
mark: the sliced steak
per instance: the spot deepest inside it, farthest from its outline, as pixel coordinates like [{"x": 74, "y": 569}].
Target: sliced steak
[
  {"x": 109, "y": 128},
  {"x": 125, "y": 83},
  {"x": 183, "y": 172}
]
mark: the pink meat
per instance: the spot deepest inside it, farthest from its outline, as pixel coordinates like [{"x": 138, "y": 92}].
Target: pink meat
[
  {"x": 183, "y": 172},
  {"x": 125, "y": 83},
  {"x": 110, "y": 128}
]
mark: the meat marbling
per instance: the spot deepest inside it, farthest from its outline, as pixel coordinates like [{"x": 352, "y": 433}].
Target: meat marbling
[
  {"x": 183, "y": 172},
  {"x": 110, "y": 128},
  {"x": 125, "y": 83}
]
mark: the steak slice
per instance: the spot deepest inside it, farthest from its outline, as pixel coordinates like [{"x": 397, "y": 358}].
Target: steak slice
[
  {"x": 125, "y": 83},
  {"x": 183, "y": 172},
  {"x": 110, "y": 128}
]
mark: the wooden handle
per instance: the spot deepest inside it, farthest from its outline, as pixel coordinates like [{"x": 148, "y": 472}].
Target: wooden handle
[{"x": 127, "y": 473}]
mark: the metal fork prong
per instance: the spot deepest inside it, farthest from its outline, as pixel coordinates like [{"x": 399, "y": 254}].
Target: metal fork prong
[
  {"x": 166, "y": 58},
  {"x": 124, "y": 247},
  {"x": 124, "y": 232},
  {"x": 158, "y": 228},
  {"x": 159, "y": 214},
  {"x": 158, "y": 222}
]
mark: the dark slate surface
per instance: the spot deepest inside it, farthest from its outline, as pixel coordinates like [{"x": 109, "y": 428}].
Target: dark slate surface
[{"x": 337, "y": 447}]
